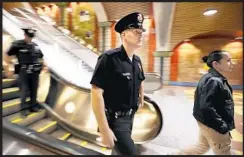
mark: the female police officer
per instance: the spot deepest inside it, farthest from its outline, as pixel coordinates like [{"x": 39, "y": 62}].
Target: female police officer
[
  {"x": 117, "y": 86},
  {"x": 214, "y": 107},
  {"x": 28, "y": 54}
]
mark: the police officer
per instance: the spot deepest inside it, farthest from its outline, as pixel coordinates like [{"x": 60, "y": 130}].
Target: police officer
[
  {"x": 117, "y": 86},
  {"x": 30, "y": 64}
]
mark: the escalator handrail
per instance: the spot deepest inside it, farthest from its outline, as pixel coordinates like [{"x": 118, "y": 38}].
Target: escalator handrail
[
  {"x": 45, "y": 141},
  {"x": 152, "y": 74},
  {"x": 64, "y": 81},
  {"x": 158, "y": 76},
  {"x": 63, "y": 34}
]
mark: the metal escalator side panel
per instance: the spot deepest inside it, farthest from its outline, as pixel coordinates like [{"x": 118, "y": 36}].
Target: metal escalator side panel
[
  {"x": 46, "y": 141},
  {"x": 148, "y": 122},
  {"x": 72, "y": 107},
  {"x": 13, "y": 145}
]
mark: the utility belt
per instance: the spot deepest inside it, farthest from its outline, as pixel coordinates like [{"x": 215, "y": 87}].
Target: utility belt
[
  {"x": 117, "y": 114},
  {"x": 30, "y": 68}
]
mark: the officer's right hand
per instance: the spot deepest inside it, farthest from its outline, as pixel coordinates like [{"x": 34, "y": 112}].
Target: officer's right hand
[{"x": 108, "y": 138}]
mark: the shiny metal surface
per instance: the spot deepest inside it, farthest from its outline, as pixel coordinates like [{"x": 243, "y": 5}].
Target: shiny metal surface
[
  {"x": 73, "y": 105},
  {"x": 152, "y": 82},
  {"x": 16, "y": 146}
]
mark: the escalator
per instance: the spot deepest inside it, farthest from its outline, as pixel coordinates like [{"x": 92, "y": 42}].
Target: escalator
[
  {"x": 152, "y": 80},
  {"x": 40, "y": 122},
  {"x": 65, "y": 97}
]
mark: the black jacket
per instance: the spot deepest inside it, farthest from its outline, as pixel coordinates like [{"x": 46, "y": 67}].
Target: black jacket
[{"x": 214, "y": 105}]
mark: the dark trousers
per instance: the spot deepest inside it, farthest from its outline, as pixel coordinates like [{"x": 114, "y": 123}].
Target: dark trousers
[
  {"x": 122, "y": 129},
  {"x": 28, "y": 82}
]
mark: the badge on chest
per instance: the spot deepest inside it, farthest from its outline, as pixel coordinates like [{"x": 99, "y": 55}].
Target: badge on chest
[
  {"x": 127, "y": 75},
  {"x": 23, "y": 50}
]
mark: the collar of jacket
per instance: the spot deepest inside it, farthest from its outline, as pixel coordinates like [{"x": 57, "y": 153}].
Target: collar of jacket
[
  {"x": 124, "y": 54},
  {"x": 217, "y": 74}
]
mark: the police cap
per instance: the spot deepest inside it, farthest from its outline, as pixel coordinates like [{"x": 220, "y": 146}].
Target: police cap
[
  {"x": 133, "y": 20},
  {"x": 30, "y": 31}
]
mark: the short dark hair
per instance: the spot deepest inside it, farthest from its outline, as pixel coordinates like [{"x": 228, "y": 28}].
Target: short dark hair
[{"x": 216, "y": 55}]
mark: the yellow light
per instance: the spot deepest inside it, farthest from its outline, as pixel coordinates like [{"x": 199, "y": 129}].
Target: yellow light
[
  {"x": 210, "y": 12},
  {"x": 69, "y": 10},
  {"x": 89, "y": 46},
  {"x": 82, "y": 42},
  {"x": 235, "y": 49}
]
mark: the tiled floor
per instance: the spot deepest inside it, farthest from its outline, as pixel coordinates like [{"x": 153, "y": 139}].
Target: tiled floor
[{"x": 180, "y": 128}]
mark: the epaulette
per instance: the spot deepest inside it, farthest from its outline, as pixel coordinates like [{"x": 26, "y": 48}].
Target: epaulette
[
  {"x": 112, "y": 51},
  {"x": 17, "y": 42}
]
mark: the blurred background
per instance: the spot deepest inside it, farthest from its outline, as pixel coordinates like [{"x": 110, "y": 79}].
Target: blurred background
[{"x": 177, "y": 36}]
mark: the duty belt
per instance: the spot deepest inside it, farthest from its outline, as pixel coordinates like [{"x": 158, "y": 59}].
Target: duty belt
[
  {"x": 119, "y": 113},
  {"x": 30, "y": 68}
]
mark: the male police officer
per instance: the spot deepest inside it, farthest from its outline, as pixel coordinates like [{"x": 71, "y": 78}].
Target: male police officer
[
  {"x": 29, "y": 57},
  {"x": 117, "y": 86}
]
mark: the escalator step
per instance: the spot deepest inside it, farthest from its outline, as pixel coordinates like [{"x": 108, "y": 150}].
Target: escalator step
[
  {"x": 31, "y": 118},
  {"x": 61, "y": 134},
  {"x": 10, "y": 93},
  {"x": 46, "y": 125},
  {"x": 7, "y": 83},
  {"x": 12, "y": 106}
]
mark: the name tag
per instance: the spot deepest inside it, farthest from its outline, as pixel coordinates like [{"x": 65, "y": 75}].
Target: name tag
[
  {"x": 23, "y": 50},
  {"x": 126, "y": 74}
]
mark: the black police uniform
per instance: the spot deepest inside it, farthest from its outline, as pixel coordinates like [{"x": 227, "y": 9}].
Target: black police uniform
[
  {"x": 29, "y": 67},
  {"x": 120, "y": 78}
]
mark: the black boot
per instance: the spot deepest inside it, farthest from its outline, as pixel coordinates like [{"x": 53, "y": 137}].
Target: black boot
[
  {"x": 34, "y": 109},
  {"x": 24, "y": 113}
]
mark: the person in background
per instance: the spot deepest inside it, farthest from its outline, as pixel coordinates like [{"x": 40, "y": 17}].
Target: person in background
[
  {"x": 30, "y": 65},
  {"x": 213, "y": 107}
]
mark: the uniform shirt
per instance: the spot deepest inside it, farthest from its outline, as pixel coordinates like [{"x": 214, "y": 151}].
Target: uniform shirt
[
  {"x": 26, "y": 53},
  {"x": 120, "y": 78}
]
